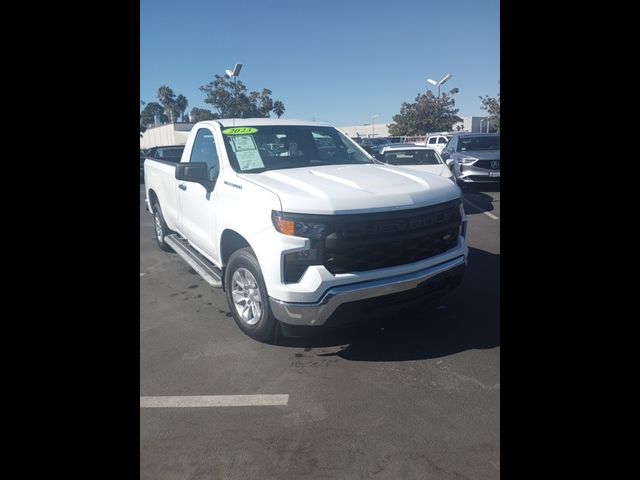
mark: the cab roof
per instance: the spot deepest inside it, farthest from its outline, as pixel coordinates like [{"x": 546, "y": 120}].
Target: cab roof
[{"x": 254, "y": 122}]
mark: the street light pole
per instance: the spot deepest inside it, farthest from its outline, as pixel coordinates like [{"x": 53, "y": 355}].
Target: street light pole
[
  {"x": 234, "y": 73},
  {"x": 437, "y": 84},
  {"x": 373, "y": 125},
  {"x": 235, "y": 89}
]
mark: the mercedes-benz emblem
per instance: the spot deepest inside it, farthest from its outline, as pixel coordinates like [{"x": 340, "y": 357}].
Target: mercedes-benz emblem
[{"x": 495, "y": 164}]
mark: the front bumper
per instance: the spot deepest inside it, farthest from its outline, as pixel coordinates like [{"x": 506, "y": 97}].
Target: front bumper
[
  {"x": 315, "y": 314},
  {"x": 472, "y": 174}
]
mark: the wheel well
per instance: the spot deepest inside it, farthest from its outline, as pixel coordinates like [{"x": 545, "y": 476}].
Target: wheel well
[
  {"x": 153, "y": 198},
  {"x": 229, "y": 243}
]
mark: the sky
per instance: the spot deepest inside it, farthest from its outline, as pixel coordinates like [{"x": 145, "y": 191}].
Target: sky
[{"x": 340, "y": 62}]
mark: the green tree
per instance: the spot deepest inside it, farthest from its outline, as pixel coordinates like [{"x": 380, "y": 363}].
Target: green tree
[
  {"x": 278, "y": 108},
  {"x": 181, "y": 105},
  {"x": 201, "y": 114},
  {"x": 142, "y": 127},
  {"x": 167, "y": 99},
  {"x": 492, "y": 106},
  {"x": 150, "y": 110},
  {"x": 427, "y": 114},
  {"x": 231, "y": 99},
  {"x": 265, "y": 103}
]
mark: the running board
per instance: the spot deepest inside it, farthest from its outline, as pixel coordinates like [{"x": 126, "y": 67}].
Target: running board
[{"x": 203, "y": 267}]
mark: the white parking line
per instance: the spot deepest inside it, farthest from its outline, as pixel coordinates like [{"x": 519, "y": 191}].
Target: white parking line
[
  {"x": 490, "y": 215},
  {"x": 214, "y": 401}
]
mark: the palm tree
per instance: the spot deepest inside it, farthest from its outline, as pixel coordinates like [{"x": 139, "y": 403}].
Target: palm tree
[
  {"x": 181, "y": 105},
  {"x": 278, "y": 108},
  {"x": 167, "y": 99}
]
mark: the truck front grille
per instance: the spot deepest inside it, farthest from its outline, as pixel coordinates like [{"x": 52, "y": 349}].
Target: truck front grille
[{"x": 371, "y": 241}]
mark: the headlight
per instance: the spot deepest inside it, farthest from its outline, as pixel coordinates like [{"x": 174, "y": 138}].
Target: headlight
[
  {"x": 467, "y": 160},
  {"x": 296, "y": 263},
  {"x": 288, "y": 226}
]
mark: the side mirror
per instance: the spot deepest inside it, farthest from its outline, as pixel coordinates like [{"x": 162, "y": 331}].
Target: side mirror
[
  {"x": 197, "y": 172},
  {"x": 449, "y": 162}
]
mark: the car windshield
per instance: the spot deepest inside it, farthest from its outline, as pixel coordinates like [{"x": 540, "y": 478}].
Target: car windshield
[
  {"x": 275, "y": 147},
  {"x": 489, "y": 142},
  {"x": 411, "y": 157},
  {"x": 170, "y": 154}
]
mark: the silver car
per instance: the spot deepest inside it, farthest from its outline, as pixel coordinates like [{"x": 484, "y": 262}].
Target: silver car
[{"x": 474, "y": 157}]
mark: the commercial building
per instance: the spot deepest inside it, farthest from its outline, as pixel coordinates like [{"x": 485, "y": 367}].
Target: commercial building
[
  {"x": 177, "y": 133},
  {"x": 366, "y": 130},
  {"x": 474, "y": 125},
  {"x": 162, "y": 135},
  {"x": 468, "y": 124}
]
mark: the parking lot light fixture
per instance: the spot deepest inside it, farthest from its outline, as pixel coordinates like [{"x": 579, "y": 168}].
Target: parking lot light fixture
[
  {"x": 234, "y": 73},
  {"x": 437, "y": 84},
  {"x": 373, "y": 125}
]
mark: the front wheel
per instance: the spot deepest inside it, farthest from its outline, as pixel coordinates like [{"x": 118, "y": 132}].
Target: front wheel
[{"x": 247, "y": 296}]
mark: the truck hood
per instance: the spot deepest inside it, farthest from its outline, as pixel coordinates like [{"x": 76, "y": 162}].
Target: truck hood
[
  {"x": 343, "y": 189},
  {"x": 441, "y": 170},
  {"x": 481, "y": 154}
]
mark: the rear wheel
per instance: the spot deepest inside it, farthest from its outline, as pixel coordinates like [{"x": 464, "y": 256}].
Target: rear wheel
[
  {"x": 247, "y": 296},
  {"x": 160, "y": 228}
]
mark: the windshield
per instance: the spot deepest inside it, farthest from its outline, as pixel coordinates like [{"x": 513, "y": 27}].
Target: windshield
[
  {"x": 274, "y": 147},
  {"x": 488, "y": 142},
  {"x": 412, "y": 157}
]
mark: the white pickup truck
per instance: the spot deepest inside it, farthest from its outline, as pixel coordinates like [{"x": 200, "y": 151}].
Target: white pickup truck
[{"x": 300, "y": 226}]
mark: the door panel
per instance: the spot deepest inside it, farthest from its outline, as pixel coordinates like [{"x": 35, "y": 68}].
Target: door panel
[{"x": 198, "y": 206}]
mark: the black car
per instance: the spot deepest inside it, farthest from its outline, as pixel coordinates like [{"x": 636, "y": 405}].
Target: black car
[{"x": 171, "y": 153}]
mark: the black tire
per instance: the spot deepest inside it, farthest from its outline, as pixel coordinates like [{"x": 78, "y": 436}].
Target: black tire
[
  {"x": 160, "y": 228},
  {"x": 266, "y": 326}
]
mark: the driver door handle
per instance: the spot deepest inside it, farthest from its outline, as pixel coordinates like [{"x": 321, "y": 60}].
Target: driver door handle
[{"x": 182, "y": 186}]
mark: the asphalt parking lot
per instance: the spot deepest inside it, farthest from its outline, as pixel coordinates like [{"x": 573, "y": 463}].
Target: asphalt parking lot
[{"x": 414, "y": 396}]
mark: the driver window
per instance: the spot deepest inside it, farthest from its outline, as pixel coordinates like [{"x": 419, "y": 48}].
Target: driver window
[{"x": 204, "y": 150}]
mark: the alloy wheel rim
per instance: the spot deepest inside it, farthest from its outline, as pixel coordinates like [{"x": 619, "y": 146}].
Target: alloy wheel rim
[{"x": 245, "y": 293}]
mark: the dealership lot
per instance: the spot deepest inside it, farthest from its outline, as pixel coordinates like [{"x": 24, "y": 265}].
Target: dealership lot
[{"x": 414, "y": 396}]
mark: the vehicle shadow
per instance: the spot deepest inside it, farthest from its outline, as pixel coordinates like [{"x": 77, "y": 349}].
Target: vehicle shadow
[
  {"x": 477, "y": 202},
  {"x": 482, "y": 187},
  {"x": 468, "y": 318}
]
